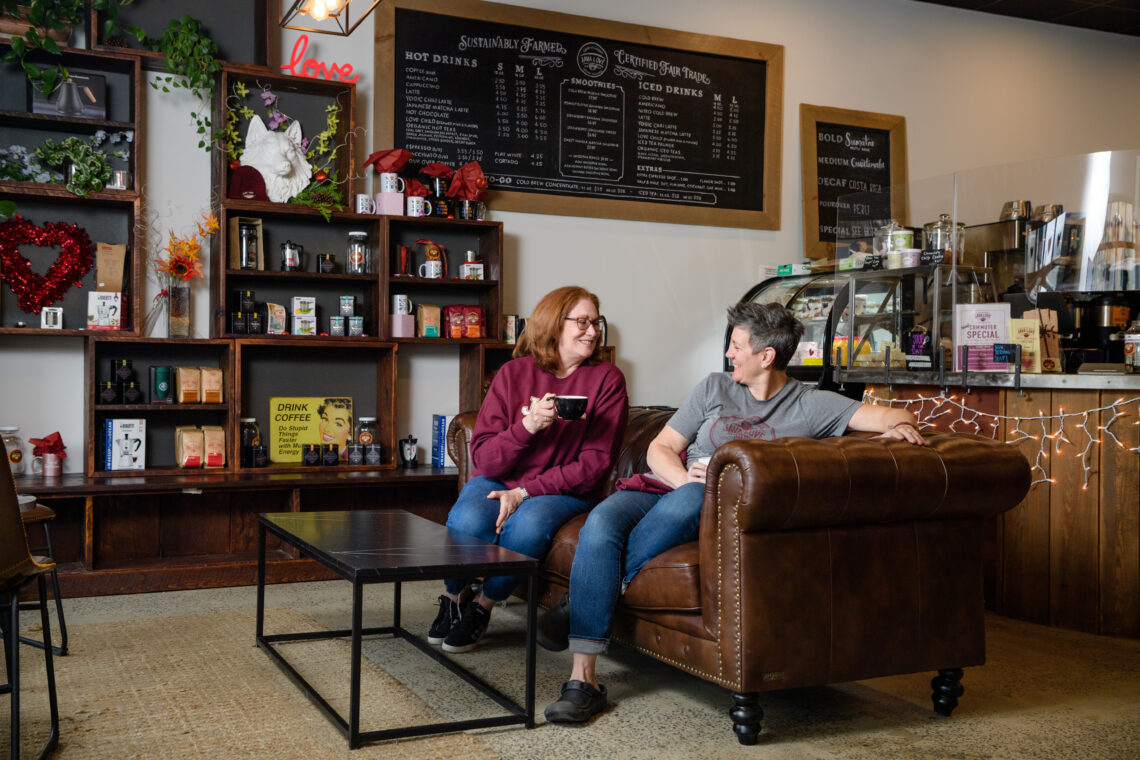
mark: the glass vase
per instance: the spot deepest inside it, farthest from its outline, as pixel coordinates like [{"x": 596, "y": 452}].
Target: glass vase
[{"x": 178, "y": 310}]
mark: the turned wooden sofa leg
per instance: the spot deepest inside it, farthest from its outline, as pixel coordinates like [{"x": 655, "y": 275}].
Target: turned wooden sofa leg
[
  {"x": 947, "y": 687},
  {"x": 746, "y": 716}
]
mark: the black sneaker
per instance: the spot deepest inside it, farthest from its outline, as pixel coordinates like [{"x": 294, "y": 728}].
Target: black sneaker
[
  {"x": 466, "y": 634},
  {"x": 554, "y": 626},
  {"x": 579, "y": 702},
  {"x": 447, "y": 619}
]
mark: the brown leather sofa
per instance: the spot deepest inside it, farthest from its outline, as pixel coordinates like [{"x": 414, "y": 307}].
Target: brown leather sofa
[{"x": 818, "y": 562}]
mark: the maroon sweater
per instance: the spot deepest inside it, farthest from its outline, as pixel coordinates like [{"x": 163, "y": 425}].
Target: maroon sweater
[{"x": 570, "y": 456}]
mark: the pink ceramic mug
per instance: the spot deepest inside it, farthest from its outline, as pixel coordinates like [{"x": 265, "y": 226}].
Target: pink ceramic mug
[{"x": 48, "y": 465}]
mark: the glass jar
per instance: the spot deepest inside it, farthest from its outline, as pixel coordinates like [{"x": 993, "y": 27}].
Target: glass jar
[
  {"x": 15, "y": 448},
  {"x": 247, "y": 240},
  {"x": 250, "y": 440},
  {"x": 291, "y": 254},
  {"x": 366, "y": 431},
  {"x": 942, "y": 236},
  {"x": 358, "y": 255}
]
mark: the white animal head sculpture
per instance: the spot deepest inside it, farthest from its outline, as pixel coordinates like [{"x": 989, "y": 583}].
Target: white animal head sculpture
[{"x": 278, "y": 157}]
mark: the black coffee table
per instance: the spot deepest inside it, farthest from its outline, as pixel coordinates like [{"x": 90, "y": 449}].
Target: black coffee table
[{"x": 391, "y": 546}]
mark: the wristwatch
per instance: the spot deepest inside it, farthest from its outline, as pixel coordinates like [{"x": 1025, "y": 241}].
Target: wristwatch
[{"x": 525, "y": 495}]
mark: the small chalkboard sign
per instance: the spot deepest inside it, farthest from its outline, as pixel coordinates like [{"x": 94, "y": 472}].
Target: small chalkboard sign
[
  {"x": 1005, "y": 352},
  {"x": 854, "y": 171},
  {"x": 935, "y": 256},
  {"x": 873, "y": 261}
]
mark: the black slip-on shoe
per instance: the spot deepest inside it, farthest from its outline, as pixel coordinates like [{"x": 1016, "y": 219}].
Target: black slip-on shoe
[
  {"x": 579, "y": 702},
  {"x": 554, "y": 626}
]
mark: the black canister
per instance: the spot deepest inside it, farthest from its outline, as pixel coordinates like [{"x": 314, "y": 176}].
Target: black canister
[
  {"x": 326, "y": 263},
  {"x": 372, "y": 454},
  {"x": 330, "y": 454},
  {"x": 254, "y": 323},
  {"x": 109, "y": 392},
  {"x": 260, "y": 456},
  {"x": 245, "y": 302},
  {"x": 354, "y": 454},
  {"x": 132, "y": 393},
  {"x": 123, "y": 370},
  {"x": 239, "y": 324},
  {"x": 311, "y": 454}
]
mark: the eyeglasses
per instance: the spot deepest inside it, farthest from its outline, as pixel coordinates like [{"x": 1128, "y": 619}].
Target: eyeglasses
[{"x": 584, "y": 322}]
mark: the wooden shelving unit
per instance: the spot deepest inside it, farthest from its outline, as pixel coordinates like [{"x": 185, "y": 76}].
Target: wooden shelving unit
[{"x": 109, "y": 216}]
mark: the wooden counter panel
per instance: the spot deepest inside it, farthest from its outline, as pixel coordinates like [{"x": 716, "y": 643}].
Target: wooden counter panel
[
  {"x": 1120, "y": 526},
  {"x": 1025, "y": 529},
  {"x": 1073, "y": 520}
]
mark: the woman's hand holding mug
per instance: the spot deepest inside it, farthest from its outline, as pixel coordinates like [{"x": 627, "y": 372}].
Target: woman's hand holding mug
[{"x": 540, "y": 414}]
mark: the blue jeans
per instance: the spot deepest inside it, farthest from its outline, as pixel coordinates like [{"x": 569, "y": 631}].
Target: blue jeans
[
  {"x": 530, "y": 530},
  {"x": 638, "y": 525}
]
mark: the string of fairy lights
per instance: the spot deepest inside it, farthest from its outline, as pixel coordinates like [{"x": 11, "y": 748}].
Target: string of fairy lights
[{"x": 974, "y": 421}]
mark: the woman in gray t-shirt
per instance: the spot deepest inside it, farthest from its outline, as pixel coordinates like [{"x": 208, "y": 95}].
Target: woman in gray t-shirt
[{"x": 659, "y": 510}]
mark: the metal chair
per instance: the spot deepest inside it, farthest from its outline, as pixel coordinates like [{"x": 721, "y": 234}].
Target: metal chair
[
  {"x": 41, "y": 515},
  {"x": 18, "y": 568}
]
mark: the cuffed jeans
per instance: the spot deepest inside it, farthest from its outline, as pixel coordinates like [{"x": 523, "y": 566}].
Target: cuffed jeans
[
  {"x": 640, "y": 526},
  {"x": 530, "y": 530}
]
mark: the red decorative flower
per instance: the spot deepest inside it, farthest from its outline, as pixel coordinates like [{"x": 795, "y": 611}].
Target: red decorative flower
[
  {"x": 321, "y": 175},
  {"x": 33, "y": 291}
]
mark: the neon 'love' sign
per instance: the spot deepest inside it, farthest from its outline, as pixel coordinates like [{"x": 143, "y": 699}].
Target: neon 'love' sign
[{"x": 314, "y": 69}]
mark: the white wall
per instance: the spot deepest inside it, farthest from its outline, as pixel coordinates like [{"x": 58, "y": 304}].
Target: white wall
[{"x": 976, "y": 90}]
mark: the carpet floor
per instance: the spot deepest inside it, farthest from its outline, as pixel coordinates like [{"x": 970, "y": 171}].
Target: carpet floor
[
  {"x": 196, "y": 687},
  {"x": 1044, "y": 692}
]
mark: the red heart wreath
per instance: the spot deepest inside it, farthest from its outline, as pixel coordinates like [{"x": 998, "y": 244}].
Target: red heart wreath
[{"x": 33, "y": 291}]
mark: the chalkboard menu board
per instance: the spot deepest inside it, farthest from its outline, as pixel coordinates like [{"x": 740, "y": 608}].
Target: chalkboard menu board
[
  {"x": 854, "y": 175},
  {"x": 568, "y": 115}
]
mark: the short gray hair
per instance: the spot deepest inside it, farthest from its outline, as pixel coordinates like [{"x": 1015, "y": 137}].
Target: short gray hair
[{"x": 768, "y": 324}]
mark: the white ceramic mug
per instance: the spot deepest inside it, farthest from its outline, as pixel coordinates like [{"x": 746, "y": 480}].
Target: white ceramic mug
[
  {"x": 48, "y": 465},
  {"x": 364, "y": 204},
  {"x": 418, "y": 206},
  {"x": 390, "y": 182},
  {"x": 431, "y": 269},
  {"x": 401, "y": 304}
]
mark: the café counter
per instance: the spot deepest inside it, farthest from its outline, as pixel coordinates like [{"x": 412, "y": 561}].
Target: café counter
[{"x": 1069, "y": 554}]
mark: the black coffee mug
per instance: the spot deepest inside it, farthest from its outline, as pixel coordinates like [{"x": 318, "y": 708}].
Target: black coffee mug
[{"x": 570, "y": 407}]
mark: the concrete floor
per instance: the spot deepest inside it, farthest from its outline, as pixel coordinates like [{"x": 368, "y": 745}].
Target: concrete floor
[{"x": 1044, "y": 693}]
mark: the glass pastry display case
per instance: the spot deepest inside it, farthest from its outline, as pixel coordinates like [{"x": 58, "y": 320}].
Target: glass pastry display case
[{"x": 897, "y": 313}]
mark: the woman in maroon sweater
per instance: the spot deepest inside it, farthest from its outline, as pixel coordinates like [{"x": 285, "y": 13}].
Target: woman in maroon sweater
[{"x": 533, "y": 471}]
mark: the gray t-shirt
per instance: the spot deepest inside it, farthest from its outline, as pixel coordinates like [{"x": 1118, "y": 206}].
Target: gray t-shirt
[{"x": 721, "y": 410}]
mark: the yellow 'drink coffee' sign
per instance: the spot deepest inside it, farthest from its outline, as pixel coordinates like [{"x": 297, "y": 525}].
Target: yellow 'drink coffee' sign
[{"x": 295, "y": 422}]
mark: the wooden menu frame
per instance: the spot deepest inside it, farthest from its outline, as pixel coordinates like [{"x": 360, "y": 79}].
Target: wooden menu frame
[
  {"x": 767, "y": 217},
  {"x": 810, "y": 117}
]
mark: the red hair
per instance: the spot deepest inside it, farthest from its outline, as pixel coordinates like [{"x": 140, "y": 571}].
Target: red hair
[{"x": 544, "y": 327}]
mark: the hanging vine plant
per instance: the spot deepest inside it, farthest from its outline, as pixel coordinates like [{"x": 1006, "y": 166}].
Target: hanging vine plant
[{"x": 191, "y": 60}]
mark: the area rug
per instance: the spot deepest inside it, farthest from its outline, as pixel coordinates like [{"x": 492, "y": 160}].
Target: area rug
[{"x": 196, "y": 687}]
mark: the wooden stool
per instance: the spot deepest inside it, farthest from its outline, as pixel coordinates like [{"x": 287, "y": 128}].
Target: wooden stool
[{"x": 41, "y": 515}]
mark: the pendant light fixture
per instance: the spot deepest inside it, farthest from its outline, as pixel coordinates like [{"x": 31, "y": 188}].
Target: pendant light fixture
[{"x": 339, "y": 17}]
